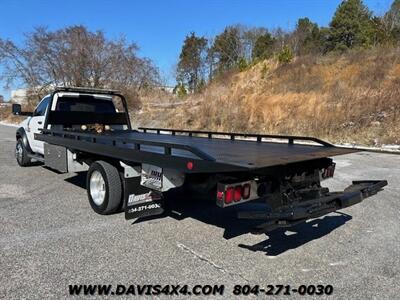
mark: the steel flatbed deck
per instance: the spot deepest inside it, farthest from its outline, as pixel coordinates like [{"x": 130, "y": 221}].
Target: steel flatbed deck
[{"x": 208, "y": 151}]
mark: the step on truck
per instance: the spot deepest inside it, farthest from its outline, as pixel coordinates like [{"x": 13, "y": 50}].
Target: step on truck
[{"x": 89, "y": 130}]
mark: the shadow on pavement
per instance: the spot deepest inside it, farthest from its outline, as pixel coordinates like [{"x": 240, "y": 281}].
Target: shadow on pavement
[
  {"x": 79, "y": 180},
  {"x": 34, "y": 164},
  {"x": 277, "y": 241},
  {"x": 281, "y": 240},
  {"x": 180, "y": 205}
]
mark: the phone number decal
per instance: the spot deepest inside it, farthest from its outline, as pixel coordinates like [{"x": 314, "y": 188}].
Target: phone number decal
[
  {"x": 144, "y": 207},
  {"x": 280, "y": 289}
]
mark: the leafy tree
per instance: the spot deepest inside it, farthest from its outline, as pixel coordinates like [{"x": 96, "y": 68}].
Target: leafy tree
[
  {"x": 192, "y": 60},
  {"x": 351, "y": 26},
  {"x": 263, "y": 47},
  {"x": 226, "y": 49},
  {"x": 307, "y": 37},
  {"x": 382, "y": 34},
  {"x": 282, "y": 38},
  {"x": 248, "y": 39}
]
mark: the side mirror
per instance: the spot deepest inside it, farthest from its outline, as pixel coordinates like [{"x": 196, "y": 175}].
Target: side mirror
[{"x": 16, "y": 109}]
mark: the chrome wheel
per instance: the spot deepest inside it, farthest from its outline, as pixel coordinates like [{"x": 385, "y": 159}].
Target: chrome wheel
[
  {"x": 97, "y": 188},
  {"x": 19, "y": 152}
]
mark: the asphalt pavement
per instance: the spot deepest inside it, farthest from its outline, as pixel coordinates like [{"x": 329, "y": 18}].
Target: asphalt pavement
[{"x": 50, "y": 238}]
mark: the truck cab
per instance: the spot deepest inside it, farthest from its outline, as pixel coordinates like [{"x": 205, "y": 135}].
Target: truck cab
[
  {"x": 64, "y": 102},
  {"x": 32, "y": 124}
]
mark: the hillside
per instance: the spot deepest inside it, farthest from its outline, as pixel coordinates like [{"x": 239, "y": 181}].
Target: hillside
[{"x": 353, "y": 98}]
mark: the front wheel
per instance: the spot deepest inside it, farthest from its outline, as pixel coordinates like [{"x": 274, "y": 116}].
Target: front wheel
[
  {"x": 104, "y": 188},
  {"x": 21, "y": 154}
]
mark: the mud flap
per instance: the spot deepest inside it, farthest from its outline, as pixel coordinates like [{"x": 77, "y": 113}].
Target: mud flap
[
  {"x": 314, "y": 208},
  {"x": 140, "y": 201}
]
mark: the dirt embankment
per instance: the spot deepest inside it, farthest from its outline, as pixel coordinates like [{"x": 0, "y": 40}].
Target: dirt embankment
[{"x": 343, "y": 98}]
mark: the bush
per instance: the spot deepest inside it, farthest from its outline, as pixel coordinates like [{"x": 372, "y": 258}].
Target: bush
[
  {"x": 180, "y": 90},
  {"x": 242, "y": 64},
  {"x": 264, "y": 70},
  {"x": 285, "y": 56}
]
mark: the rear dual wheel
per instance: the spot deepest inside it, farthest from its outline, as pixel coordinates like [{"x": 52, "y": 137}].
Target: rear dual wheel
[{"x": 104, "y": 188}]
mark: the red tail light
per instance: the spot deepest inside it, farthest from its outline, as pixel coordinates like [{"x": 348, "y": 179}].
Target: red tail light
[
  {"x": 329, "y": 171},
  {"x": 189, "y": 165},
  {"x": 220, "y": 195},
  {"x": 238, "y": 193},
  {"x": 229, "y": 195},
  {"x": 246, "y": 191}
]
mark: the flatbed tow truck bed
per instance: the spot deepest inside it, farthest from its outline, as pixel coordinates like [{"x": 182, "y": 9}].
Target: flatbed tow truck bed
[{"x": 217, "y": 153}]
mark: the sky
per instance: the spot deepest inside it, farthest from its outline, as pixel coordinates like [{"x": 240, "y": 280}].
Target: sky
[{"x": 159, "y": 27}]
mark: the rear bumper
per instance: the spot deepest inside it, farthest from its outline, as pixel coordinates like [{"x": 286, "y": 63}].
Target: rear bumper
[
  {"x": 302, "y": 211},
  {"x": 360, "y": 190}
]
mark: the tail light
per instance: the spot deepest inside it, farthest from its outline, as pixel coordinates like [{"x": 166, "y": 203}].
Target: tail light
[
  {"x": 220, "y": 195},
  {"x": 246, "y": 191},
  {"x": 229, "y": 195},
  {"x": 329, "y": 171},
  {"x": 238, "y": 193}
]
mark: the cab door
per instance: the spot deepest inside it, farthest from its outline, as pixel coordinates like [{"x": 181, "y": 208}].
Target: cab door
[{"x": 35, "y": 123}]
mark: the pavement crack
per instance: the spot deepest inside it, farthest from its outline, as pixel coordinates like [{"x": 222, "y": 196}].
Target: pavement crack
[{"x": 208, "y": 261}]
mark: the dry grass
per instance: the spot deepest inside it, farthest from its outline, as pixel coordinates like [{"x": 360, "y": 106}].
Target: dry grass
[
  {"x": 7, "y": 117},
  {"x": 349, "y": 98}
]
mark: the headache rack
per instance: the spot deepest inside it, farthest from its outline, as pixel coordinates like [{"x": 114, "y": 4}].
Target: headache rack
[
  {"x": 52, "y": 114},
  {"x": 86, "y": 90},
  {"x": 233, "y": 136}
]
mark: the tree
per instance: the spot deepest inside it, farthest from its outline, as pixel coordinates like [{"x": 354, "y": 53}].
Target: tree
[
  {"x": 391, "y": 20},
  {"x": 392, "y": 17},
  {"x": 263, "y": 47},
  {"x": 227, "y": 49},
  {"x": 307, "y": 37},
  {"x": 248, "y": 37},
  {"x": 75, "y": 56},
  {"x": 351, "y": 26},
  {"x": 192, "y": 61},
  {"x": 282, "y": 39}
]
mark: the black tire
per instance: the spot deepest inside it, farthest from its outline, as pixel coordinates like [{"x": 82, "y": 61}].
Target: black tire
[
  {"x": 21, "y": 154},
  {"x": 112, "y": 187}
]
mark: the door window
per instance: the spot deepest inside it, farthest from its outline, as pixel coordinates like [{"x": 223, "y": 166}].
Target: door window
[{"x": 41, "y": 108}]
